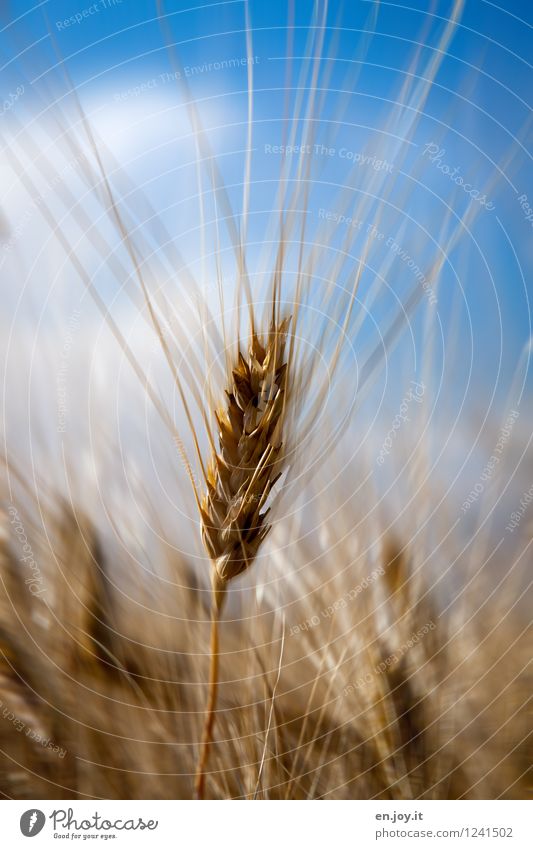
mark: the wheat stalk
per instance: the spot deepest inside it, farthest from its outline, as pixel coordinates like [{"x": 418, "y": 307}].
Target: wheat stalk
[{"x": 239, "y": 482}]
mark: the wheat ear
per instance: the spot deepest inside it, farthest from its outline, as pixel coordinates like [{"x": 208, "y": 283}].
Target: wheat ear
[{"x": 239, "y": 482}]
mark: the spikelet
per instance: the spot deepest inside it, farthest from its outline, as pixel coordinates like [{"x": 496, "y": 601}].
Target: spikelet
[{"x": 250, "y": 458}]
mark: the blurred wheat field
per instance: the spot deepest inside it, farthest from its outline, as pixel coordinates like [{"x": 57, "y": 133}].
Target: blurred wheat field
[{"x": 256, "y": 396}]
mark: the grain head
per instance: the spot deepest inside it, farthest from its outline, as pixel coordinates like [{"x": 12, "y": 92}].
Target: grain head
[{"x": 250, "y": 457}]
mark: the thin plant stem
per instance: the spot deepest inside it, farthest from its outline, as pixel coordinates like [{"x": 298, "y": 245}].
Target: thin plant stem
[{"x": 210, "y": 712}]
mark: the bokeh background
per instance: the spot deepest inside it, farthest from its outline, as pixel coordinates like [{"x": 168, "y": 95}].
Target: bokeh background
[{"x": 416, "y": 166}]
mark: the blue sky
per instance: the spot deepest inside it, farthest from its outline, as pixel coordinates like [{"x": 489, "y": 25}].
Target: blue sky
[{"x": 475, "y": 115}]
